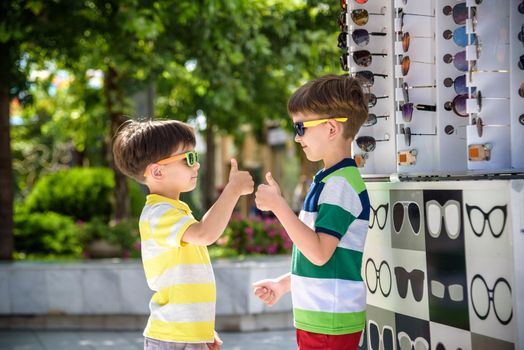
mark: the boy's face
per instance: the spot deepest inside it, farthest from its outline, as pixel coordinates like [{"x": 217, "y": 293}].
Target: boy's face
[
  {"x": 315, "y": 138},
  {"x": 177, "y": 174}
]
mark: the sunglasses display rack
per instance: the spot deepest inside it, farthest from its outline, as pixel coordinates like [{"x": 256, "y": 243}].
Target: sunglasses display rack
[{"x": 446, "y": 83}]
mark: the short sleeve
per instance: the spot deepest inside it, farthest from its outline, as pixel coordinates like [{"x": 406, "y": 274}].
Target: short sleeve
[
  {"x": 168, "y": 225},
  {"x": 338, "y": 206}
]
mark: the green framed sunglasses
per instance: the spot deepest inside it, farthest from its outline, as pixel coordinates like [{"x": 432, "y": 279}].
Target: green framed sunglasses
[{"x": 190, "y": 156}]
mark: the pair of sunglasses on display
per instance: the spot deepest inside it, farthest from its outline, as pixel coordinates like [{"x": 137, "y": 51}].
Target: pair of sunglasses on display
[
  {"x": 406, "y": 40},
  {"x": 460, "y": 12},
  {"x": 360, "y": 37},
  {"x": 408, "y": 107},
  {"x": 459, "y": 36},
  {"x": 190, "y": 156},
  {"x": 300, "y": 127},
  {"x": 367, "y": 77},
  {"x": 459, "y": 85},
  {"x": 372, "y": 99},
  {"x": 406, "y": 131},
  {"x": 373, "y": 119},
  {"x": 458, "y": 105},
  {"x": 405, "y": 64},
  {"x": 363, "y": 58},
  {"x": 369, "y": 143},
  {"x": 344, "y": 3},
  {"x": 359, "y": 16}
]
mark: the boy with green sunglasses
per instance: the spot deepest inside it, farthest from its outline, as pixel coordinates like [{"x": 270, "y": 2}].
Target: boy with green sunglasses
[
  {"x": 327, "y": 290},
  {"x": 161, "y": 155}
]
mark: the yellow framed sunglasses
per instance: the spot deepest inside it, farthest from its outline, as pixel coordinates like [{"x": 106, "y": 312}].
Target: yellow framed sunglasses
[
  {"x": 190, "y": 156},
  {"x": 300, "y": 127}
]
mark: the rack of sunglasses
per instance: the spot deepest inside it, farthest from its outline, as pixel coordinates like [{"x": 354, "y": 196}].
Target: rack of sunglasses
[{"x": 445, "y": 81}]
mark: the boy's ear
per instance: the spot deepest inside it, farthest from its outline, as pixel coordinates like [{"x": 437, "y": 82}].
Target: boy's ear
[
  {"x": 334, "y": 128},
  {"x": 156, "y": 171}
]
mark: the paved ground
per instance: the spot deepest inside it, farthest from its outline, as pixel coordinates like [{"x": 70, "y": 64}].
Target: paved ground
[{"x": 70, "y": 340}]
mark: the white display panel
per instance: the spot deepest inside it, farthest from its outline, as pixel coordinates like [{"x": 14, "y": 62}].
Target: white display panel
[{"x": 475, "y": 45}]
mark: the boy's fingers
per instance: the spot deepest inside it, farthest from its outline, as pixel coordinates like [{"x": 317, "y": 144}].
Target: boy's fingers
[{"x": 234, "y": 165}]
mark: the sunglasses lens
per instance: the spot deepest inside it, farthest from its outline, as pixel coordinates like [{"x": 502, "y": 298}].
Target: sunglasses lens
[
  {"x": 521, "y": 7},
  {"x": 460, "y": 13},
  {"x": 459, "y": 105},
  {"x": 405, "y": 42},
  {"x": 521, "y": 90},
  {"x": 405, "y": 63},
  {"x": 367, "y": 77},
  {"x": 361, "y": 1},
  {"x": 362, "y": 58},
  {"x": 521, "y": 62},
  {"x": 192, "y": 158},
  {"x": 360, "y": 16},
  {"x": 366, "y": 143},
  {"x": 460, "y": 85},
  {"x": 405, "y": 92},
  {"x": 299, "y": 129},
  {"x": 372, "y": 120},
  {"x": 360, "y": 37},
  {"x": 460, "y": 37},
  {"x": 342, "y": 40},
  {"x": 449, "y": 129},
  {"x": 407, "y": 111},
  {"x": 459, "y": 61},
  {"x": 480, "y": 126},
  {"x": 342, "y": 21},
  {"x": 407, "y": 136},
  {"x": 372, "y": 100},
  {"x": 344, "y": 62}
]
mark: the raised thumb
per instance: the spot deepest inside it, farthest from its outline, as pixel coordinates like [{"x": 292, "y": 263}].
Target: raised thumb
[
  {"x": 270, "y": 180},
  {"x": 234, "y": 165}
]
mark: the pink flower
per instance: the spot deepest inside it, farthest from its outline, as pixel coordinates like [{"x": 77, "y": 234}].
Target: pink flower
[
  {"x": 249, "y": 231},
  {"x": 272, "y": 249},
  {"x": 288, "y": 245},
  {"x": 137, "y": 246}
]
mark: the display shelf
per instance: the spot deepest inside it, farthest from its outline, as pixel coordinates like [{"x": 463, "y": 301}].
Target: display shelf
[{"x": 448, "y": 77}]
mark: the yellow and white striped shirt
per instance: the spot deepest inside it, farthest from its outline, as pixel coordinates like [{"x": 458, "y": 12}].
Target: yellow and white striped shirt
[{"x": 183, "y": 306}]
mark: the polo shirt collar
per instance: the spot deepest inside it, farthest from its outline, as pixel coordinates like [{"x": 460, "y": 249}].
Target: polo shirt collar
[
  {"x": 152, "y": 199},
  {"x": 346, "y": 162}
]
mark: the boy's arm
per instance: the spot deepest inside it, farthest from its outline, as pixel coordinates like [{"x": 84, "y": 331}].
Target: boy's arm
[
  {"x": 214, "y": 222},
  {"x": 317, "y": 247}
]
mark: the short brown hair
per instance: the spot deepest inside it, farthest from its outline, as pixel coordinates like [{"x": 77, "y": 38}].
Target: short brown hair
[
  {"x": 140, "y": 143},
  {"x": 332, "y": 96}
]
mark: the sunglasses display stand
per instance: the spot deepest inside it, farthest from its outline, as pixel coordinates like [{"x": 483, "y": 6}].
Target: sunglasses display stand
[
  {"x": 516, "y": 26},
  {"x": 474, "y": 45},
  {"x": 382, "y": 159}
]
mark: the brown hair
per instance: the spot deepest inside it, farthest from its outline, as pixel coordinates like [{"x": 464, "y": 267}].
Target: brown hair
[
  {"x": 332, "y": 96},
  {"x": 140, "y": 143}
]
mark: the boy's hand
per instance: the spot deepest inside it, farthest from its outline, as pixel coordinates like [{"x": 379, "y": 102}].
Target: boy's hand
[
  {"x": 267, "y": 194},
  {"x": 269, "y": 291},
  {"x": 240, "y": 181},
  {"x": 216, "y": 343}
]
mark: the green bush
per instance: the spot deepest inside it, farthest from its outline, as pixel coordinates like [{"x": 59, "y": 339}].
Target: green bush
[
  {"x": 82, "y": 193},
  {"x": 123, "y": 234},
  {"x": 255, "y": 235},
  {"x": 46, "y": 233}
]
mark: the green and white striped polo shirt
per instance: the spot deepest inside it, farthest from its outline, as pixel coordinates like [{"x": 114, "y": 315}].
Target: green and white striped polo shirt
[{"x": 331, "y": 299}]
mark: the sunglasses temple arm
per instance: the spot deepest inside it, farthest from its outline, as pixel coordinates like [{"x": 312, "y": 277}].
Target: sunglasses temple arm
[
  {"x": 422, "y": 87},
  {"x": 379, "y": 54},
  {"x": 429, "y": 108},
  {"x": 378, "y": 34}
]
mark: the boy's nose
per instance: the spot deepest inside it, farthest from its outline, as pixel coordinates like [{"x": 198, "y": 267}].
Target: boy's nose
[{"x": 297, "y": 138}]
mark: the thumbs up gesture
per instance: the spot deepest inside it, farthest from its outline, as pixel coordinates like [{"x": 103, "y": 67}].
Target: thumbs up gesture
[
  {"x": 240, "y": 181},
  {"x": 267, "y": 194}
]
